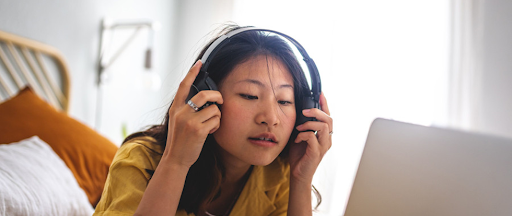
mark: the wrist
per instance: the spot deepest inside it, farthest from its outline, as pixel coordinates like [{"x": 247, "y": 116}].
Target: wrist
[
  {"x": 170, "y": 163},
  {"x": 300, "y": 183},
  {"x": 297, "y": 180},
  {"x": 300, "y": 197}
]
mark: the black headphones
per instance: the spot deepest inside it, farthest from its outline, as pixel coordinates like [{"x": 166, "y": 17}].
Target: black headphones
[{"x": 204, "y": 82}]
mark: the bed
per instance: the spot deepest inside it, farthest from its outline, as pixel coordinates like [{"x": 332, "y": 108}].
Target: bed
[{"x": 50, "y": 163}]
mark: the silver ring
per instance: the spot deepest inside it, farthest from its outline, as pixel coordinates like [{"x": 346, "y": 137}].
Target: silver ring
[
  {"x": 330, "y": 133},
  {"x": 193, "y": 105}
]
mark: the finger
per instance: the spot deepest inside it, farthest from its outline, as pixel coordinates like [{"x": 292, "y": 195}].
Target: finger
[
  {"x": 314, "y": 126},
  {"x": 322, "y": 132},
  {"x": 212, "y": 124},
  {"x": 309, "y": 138},
  {"x": 200, "y": 121},
  {"x": 323, "y": 104},
  {"x": 202, "y": 97},
  {"x": 207, "y": 113},
  {"x": 320, "y": 116},
  {"x": 186, "y": 83}
]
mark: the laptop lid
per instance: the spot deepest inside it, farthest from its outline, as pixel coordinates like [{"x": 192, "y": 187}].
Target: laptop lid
[{"x": 412, "y": 170}]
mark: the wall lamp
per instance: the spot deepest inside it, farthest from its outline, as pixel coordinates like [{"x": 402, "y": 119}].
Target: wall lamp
[
  {"x": 107, "y": 57},
  {"x": 109, "y": 26}
]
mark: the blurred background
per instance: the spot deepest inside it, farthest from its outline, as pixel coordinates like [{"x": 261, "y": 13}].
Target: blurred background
[{"x": 445, "y": 63}]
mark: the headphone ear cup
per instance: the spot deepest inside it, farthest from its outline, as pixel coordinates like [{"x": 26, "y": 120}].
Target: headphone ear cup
[
  {"x": 307, "y": 103},
  {"x": 202, "y": 82},
  {"x": 211, "y": 84},
  {"x": 193, "y": 91}
]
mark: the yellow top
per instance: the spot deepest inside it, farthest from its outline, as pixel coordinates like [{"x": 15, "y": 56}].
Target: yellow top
[{"x": 265, "y": 193}]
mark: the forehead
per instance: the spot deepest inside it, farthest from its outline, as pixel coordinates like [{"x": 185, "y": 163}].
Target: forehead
[{"x": 264, "y": 68}]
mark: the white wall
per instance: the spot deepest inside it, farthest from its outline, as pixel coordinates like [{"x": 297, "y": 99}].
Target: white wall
[
  {"x": 73, "y": 27},
  {"x": 198, "y": 20},
  {"x": 495, "y": 114}
]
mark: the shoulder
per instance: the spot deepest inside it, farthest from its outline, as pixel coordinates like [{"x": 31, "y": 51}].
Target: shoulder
[
  {"x": 144, "y": 143},
  {"x": 128, "y": 176},
  {"x": 140, "y": 151}
]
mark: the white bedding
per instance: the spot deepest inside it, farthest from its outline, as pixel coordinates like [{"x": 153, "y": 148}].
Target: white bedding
[{"x": 35, "y": 181}]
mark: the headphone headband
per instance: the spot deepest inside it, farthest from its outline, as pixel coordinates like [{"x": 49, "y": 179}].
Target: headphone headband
[{"x": 224, "y": 39}]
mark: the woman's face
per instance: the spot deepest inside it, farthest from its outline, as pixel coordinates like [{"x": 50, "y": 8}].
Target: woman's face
[{"x": 258, "y": 114}]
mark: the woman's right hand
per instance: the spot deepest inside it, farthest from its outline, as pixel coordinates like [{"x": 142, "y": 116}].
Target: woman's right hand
[{"x": 188, "y": 128}]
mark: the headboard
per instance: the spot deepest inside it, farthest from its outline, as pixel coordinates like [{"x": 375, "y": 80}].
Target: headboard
[{"x": 27, "y": 62}]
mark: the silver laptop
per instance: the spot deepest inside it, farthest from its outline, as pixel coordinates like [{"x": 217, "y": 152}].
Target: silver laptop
[{"x": 411, "y": 170}]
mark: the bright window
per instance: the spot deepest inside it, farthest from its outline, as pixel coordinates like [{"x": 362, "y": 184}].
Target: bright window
[{"x": 376, "y": 59}]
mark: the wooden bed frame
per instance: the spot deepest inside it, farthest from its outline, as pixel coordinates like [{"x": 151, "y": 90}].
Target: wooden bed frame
[{"x": 31, "y": 68}]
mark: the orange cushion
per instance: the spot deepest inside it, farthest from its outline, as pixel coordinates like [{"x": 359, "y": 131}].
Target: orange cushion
[{"x": 87, "y": 154}]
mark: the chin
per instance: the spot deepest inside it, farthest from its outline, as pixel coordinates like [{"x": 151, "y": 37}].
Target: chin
[{"x": 260, "y": 160}]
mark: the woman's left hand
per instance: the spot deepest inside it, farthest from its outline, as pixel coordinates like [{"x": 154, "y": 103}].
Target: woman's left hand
[{"x": 309, "y": 148}]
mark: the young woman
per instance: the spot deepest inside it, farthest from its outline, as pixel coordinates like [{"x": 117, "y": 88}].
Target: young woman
[{"x": 243, "y": 156}]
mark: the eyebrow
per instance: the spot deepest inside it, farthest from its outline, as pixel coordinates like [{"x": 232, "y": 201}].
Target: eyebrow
[{"x": 253, "y": 81}]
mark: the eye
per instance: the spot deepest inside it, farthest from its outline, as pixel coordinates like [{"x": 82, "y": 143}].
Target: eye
[
  {"x": 249, "y": 97},
  {"x": 282, "y": 102}
]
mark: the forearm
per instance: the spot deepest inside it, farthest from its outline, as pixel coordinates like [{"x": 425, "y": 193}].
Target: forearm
[
  {"x": 163, "y": 193},
  {"x": 300, "y": 198}
]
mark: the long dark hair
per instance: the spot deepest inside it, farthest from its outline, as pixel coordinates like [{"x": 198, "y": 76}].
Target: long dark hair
[{"x": 205, "y": 176}]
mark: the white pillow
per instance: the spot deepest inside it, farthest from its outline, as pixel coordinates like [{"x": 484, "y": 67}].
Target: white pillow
[{"x": 35, "y": 181}]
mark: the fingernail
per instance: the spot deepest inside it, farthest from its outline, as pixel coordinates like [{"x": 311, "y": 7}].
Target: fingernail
[{"x": 306, "y": 110}]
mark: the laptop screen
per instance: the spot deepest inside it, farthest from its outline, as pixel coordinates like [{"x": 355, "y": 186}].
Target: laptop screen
[{"x": 415, "y": 170}]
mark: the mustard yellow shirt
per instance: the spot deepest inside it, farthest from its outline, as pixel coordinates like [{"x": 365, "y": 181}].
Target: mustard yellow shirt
[{"x": 265, "y": 193}]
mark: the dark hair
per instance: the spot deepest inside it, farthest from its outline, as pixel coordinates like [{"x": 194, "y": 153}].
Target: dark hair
[{"x": 206, "y": 174}]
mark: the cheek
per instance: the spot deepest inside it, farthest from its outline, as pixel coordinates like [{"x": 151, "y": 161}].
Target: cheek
[
  {"x": 234, "y": 116},
  {"x": 289, "y": 120}
]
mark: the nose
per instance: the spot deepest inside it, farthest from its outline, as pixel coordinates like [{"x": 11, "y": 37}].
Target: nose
[{"x": 268, "y": 113}]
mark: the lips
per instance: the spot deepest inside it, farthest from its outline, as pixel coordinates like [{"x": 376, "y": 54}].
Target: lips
[{"x": 269, "y": 137}]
